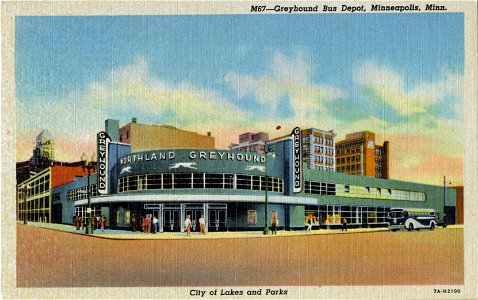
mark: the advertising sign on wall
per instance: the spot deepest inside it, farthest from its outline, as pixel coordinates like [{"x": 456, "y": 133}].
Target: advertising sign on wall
[
  {"x": 297, "y": 159},
  {"x": 102, "y": 141}
]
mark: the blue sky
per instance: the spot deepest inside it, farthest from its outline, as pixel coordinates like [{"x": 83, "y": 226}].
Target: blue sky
[{"x": 400, "y": 75}]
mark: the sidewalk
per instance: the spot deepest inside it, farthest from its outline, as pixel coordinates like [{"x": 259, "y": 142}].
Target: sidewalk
[{"x": 129, "y": 235}]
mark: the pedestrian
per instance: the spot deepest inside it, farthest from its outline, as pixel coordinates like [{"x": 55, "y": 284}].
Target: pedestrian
[
  {"x": 93, "y": 222},
  {"x": 202, "y": 225},
  {"x": 275, "y": 223},
  {"x": 142, "y": 223},
  {"x": 309, "y": 223},
  {"x": 102, "y": 223},
  {"x": 187, "y": 224},
  {"x": 344, "y": 224},
  {"x": 82, "y": 222},
  {"x": 155, "y": 224},
  {"x": 149, "y": 223},
  {"x": 133, "y": 223},
  {"x": 75, "y": 222},
  {"x": 98, "y": 220}
]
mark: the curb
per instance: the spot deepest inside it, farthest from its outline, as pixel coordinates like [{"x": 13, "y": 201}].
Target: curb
[{"x": 219, "y": 235}]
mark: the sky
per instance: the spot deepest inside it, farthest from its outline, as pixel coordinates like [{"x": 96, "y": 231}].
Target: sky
[{"x": 398, "y": 75}]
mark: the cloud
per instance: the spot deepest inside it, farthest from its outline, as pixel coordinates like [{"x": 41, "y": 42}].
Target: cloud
[
  {"x": 288, "y": 79},
  {"x": 382, "y": 85},
  {"x": 130, "y": 91}
]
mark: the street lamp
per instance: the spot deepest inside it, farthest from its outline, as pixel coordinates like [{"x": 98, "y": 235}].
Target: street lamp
[
  {"x": 266, "y": 218},
  {"x": 88, "y": 165},
  {"x": 444, "y": 200}
]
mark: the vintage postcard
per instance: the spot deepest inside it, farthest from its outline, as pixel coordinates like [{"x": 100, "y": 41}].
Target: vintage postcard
[{"x": 239, "y": 149}]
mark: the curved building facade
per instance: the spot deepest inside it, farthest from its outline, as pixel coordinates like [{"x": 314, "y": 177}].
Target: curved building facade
[{"x": 229, "y": 189}]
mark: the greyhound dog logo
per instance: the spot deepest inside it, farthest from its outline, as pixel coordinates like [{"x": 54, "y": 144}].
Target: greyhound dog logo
[
  {"x": 189, "y": 165},
  {"x": 259, "y": 168},
  {"x": 126, "y": 170}
]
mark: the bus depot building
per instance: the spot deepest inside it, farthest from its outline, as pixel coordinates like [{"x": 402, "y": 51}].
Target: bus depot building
[{"x": 229, "y": 189}]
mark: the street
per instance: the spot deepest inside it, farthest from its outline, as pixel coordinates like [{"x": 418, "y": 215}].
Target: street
[{"x": 48, "y": 258}]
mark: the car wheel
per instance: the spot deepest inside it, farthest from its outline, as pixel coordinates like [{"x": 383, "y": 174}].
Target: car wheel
[
  {"x": 410, "y": 227},
  {"x": 394, "y": 230},
  {"x": 433, "y": 226}
]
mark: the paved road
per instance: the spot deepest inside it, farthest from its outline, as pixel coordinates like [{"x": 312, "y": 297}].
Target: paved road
[{"x": 48, "y": 258}]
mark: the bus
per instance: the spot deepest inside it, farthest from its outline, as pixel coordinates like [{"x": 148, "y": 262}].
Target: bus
[{"x": 411, "y": 218}]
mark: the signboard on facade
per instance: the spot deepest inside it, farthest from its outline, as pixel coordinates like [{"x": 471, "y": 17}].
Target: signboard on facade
[
  {"x": 297, "y": 159},
  {"x": 102, "y": 141}
]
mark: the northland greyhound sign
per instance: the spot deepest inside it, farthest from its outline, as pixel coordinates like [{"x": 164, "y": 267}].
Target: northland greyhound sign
[
  {"x": 297, "y": 155},
  {"x": 102, "y": 141}
]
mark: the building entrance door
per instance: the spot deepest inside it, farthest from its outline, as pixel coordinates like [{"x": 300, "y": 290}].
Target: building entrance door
[
  {"x": 217, "y": 218},
  {"x": 195, "y": 214},
  {"x": 171, "y": 220}
]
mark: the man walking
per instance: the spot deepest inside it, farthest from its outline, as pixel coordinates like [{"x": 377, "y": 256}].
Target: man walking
[
  {"x": 344, "y": 224},
  {"x": 275, "y": 223},
  {"x": 155, "y": 224},
  {"x": 202, "y": 225},
  {"x": 187, "y": 225}
]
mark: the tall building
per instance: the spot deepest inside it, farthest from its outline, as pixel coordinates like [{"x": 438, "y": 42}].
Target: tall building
[
  {"x": 143, "y": 137},
  {"x": 318, "y": 148},
  {"x": 252, "y": 142},
  {"x": 43, "y": 156},
  {"x": 359, "y": 154},
  {"x": 44, "y": 146}
]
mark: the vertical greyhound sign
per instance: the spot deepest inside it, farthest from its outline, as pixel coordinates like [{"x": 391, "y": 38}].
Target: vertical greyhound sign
[
  {"x": 102, "y": 139},
  {"x": 297, "y": 159}
]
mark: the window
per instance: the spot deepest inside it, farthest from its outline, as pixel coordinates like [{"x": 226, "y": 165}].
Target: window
[
  {"x": 244, "y": 182},
  {"x": 167, "y": 181},
  {"x": 214, "y": 181}
]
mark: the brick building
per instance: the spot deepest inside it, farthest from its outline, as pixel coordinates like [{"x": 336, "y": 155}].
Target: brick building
[
  {"x": 143, "y": 137},
  {"x": 359, "y": 154},
  {"x": 251, "y": 142}
]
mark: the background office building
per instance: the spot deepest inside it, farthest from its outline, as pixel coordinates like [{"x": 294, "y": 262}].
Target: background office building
[
  {"x": 318, "y": 147},
  {"x": 359, "y": 154},
  {"x": 143, "y": 137},
  {"x": 34, "y": 195},
  {"x": 251, "y": 142}
]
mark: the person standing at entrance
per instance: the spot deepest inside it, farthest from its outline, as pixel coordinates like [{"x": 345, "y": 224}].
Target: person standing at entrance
[
  {"x": 149, "y": 223},
  {"x": 133, "y": 223},
  {"x": 202, "y": 225},
  {"x": 344, "y": 224},
  {"x": 102, "y": 223},
  {"x": 155, "y": 224},
  {"x": 187, "y": 224},
  {"x": 275, "y": 222},
  {"x": 93, "y": 223}
]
